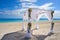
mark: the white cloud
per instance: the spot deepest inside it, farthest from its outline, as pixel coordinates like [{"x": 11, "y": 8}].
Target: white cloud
[
  {"x": 47, "y": 6},
  {"x": 24, "y": 5},
  {"x": 18, "y": 13},
  {"x": 27, "y": 5},
  {"x": 30, "y": 4},
  {"x": 44, "y": 6},
  {"x": 1, "y": 12},
  {"x": 12, "y": 13},
  {"x": 57, "y": 14},
  {"x": 28, "y": 0}
]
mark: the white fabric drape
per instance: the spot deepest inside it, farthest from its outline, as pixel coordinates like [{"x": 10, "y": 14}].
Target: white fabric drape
[{"x": 34, "y": 14}]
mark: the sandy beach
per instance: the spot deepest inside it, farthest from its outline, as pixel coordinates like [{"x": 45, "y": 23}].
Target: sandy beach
[{"x": 44, "y": 28}]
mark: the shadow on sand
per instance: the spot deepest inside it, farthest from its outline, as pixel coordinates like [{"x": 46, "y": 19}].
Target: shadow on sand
[{"x": 19, "y": 35}]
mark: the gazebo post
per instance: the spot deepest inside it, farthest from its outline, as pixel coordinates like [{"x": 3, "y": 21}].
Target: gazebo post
[
  {"x": 23, "y": 22},
  {"x": 52, "y": 23},
  {"x": 28, "y": 34}
]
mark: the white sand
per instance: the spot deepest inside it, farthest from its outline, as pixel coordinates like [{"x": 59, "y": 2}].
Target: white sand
[{"x": 44, "y": 28}]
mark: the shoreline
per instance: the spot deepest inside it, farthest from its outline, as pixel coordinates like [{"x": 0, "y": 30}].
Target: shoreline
[{"x": 32, "y": 21}]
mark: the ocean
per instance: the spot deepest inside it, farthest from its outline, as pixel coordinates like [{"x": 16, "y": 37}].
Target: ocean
[{"x": 21, "y": 20}]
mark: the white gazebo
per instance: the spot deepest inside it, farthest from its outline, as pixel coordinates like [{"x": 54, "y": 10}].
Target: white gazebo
[{"x": 32, "y": 14}]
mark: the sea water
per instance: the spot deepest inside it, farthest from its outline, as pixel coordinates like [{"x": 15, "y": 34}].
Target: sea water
[
  {"x": 21, "y": 20},
  {"x": 10, "y": 20}
]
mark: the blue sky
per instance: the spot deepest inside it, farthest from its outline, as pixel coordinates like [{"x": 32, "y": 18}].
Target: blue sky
[{"x": 13, "y": 8}]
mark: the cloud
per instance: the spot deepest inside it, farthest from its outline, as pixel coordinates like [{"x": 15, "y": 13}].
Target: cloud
[
  {"x": 44, "y": 6},
  {"x": 18, "y": 12},
  {"x": 11, "y": 13},
  {"x": 28, "y": 0},
  {"x": 47, "y": 6},
  {"x": 27, "y": 5},
  {"x": 30, "y": 4},
  {"x": 1, "y": 12},
  {"x": 57, "y": 14}
]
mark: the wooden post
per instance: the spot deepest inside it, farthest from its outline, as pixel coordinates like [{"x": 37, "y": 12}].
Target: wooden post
[
  {"x": 52, "y": 23},
  {"x": 29, "y": 27},
  {"x": 28, "y": 34}
]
